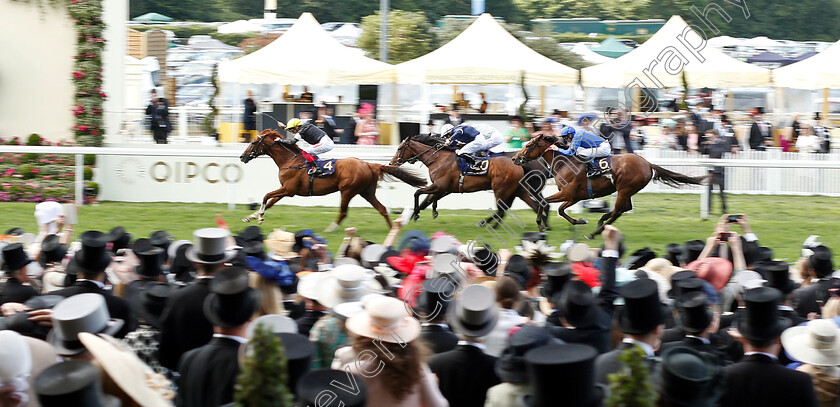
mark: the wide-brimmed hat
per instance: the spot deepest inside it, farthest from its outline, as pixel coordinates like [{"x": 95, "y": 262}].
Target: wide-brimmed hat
[
  {"x": 119, "y": 238},
  {"x": 760, "y": 321},
  {"x": 210, "y": 246},
  {"x": 151, "y": 261},
  {"x": 695, "y": 314},
  {"x": 125, "y": 369},
  {"x": 557, "y": 275},
  {"x": 384, "y": 319},
  {"x": 372, "y": 254},
  {"x": 777, "y": 274},
  {"x": 311, "y": 386},
  {"x": 346, "y": 310},
  {"x": 309, "y": 283},
  {"x": 475, "y": 312},
  {"x": 174, "y": 247},
  {"x": 93, "y": 258},
  {"x": 689, "y": 377},
  {"x": 642, "y": 311},
  {"x": 77, "y": 314},
  {"x": 817, "y": 343},
  {"x": 15, "y": 357},
  {"x": 414, "y": 240},
  {"x": 72, "y": 383},
  {"x": 715, "y": 270},
  {"x": 639, "y": 258},
  {"x": 566, "y": 371},
  {"x": 231, "y": 302},
  {"x": 274, "y": 322},
  {"x": 511, "y": 366},
  {"x": 53, "y": 281},
  {"x": 52, "y": 251},
  {"x": 579, "y": 252},
  {"x": 14, "y": 257},
  {"x": 252, "y": 233},
  {"x": 281, "y": 244},
  {"x": 346, "y": 283},
  {"x": 821, "y": 261},
  {"x": 436, "y": 296},
  {"x": 661, "y": 266},
  {"x": 576, "y": 304},
  {"x": 152, "y": 301}
]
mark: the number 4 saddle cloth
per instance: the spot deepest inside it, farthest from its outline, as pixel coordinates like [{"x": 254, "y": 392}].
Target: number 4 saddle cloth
[
  {"x": 327, "y": 167},
  {"x": 598, "y": 166}
]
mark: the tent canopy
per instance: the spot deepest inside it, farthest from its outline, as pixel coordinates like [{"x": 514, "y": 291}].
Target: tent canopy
[
  {"x": 768, "y": 57},
  {"x": 611, "y": 47},
  {"x": 662, "y": 59},
  {"x": 279, "y": 63},
  {"x": 588, "y": 55},
  {"x": 153, "y": 18},
  {"x": 485, "y": 53},
  {"x": 762, "y": 42},
  {"x": 817, "y": 72}
]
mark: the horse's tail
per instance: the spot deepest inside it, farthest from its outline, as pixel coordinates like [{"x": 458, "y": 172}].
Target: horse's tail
[
  {"x": 402, "y": 174},
  {"x": 675, "y": 179}
]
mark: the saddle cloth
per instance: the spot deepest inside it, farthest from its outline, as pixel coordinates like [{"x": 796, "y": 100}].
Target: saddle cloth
[
  {"x": 327, "y": 166},
  {"x": 482, "y": 164},
  {"x": 599, "y": 166}
]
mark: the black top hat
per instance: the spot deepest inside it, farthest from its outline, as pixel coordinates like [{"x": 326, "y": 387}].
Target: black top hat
[
  {"x": 534, "y": 237},
  {"x": 519, "y": 270},
  {"x": 72, "y": 383},
  {"x": 141, "y": 245},
  {"x": 311, "y": 386},
  {"x": 152, "y": 302},
  {"x": 642, "y": 312},
  {"x": 93, "y": 258},
  {"x": 693, "y": 248},
  {"x": 119, "y": 238},
  {"x": 14, "y": 231},
  {"x": 437, "y": 294},
  {"x": 298, "y": 352},
  {"x": 161, "y": 238},
  {"x": 231, "y": 302},
  {"x": 689, "y": 378},
  {"x": 430, "y": 122},
  {"x": 567, "y": 370},
  {"x": 576, "y": 304},
  {"x": 486, "y": 260},
  {"x": 821, "y": 261},
  {"x": 14, "y": 257},
  {"x": 510, "y": 366},
  {"x": 764, "y": 254},
  {"x": 51, "y": 250},
  {"x": 760, "y": 321},
  {"x": 674, "y": 253},
  {"x": 695, "y": 315},
  {"x": 150, "y": 263},
  {"x": 557, "y": 275},
  {"x": 255, "y": 248},
  {"x": 777, "y": 275},
  {"x": 678, "y": 277},
  {"x": 252, "y": 234},
  {"x": 759, "y": 109},
  {"x": 639, "y": 258}
]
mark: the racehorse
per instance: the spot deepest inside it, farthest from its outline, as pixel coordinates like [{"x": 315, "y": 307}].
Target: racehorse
[
  {"x": 503, "y": 177},
  {"x": 352, "y": 176},
  {"x": 630, "y": 173}
]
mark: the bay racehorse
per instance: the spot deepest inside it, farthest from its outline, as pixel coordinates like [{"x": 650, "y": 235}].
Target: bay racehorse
[
  {"x": 503, "y": 177},
  {"x": 352, "y": 176},
  {"x": 630, "y": 173}
]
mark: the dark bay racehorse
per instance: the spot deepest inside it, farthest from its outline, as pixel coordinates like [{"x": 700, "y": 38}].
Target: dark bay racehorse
[
  {"x": 351, "y": 177},
  {"x": 630, "y": 174},
  {"x": 503, "y": 177}
]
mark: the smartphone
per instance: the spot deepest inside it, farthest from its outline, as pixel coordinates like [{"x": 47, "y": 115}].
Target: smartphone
[
  {"x": 733, "y": 218},
  {"x": 724, "y": 237}
]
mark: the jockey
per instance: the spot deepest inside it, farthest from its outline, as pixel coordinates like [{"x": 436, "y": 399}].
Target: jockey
[
  {"x": 475, "y": 137},
  {"x": 586, "y": 146},
  {"x": 319, "y": 142}
]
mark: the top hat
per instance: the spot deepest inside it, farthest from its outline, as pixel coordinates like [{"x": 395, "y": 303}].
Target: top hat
[
  {"x": 642, "y": 312},
  {"x": 777, "y": 274},
  {"x": 119, "y": 238},
  {"x": 371, "y": 255},
  {"x": 475, "y": 312},
  {"x": 678, "y": 277},
  {"x": 311, "y": 385},
  {"x": 534, "y": 237},
  {"x": 689, "y": 377},
  {"x": 688, "y": 285},
  {"x": 695, "y": 315},
  {"x": 72, "y": 383},
  {"x": 344, "y": 283},
  {"x": 764, "y": 254},
  {"x": 821, "y": 261},
  {"x": 209, "y": 246},
  {"x": 639, "y": 258},
  {"x": 252, "y": 234},
  {"x": 567, "y": 370},
  {"x": 161, "y": 238},
  {"x": 231, "y": 302},
  {"x": 150, "y": 263},
  {"x": 15, "y": 357},
  {"x": 93, "y": 258},
  {"x": 760, "y": 321},
  {"x": 14, "y": 257},
  {"x": 443, "y": 244},
  {"x": 510, "y": 366},
  {"x": 52, "y": 251},
  {"x": 558, "y": 274},
  {"x": 576, "y": 304},
  {"x": 436, "y": 296},
  {"x": 447, "y": 265},
  {"x": 15, "y": 231},
  {"x": 486, "y": 260},
  {"x": 817, "y": 343},
  {"x": 415, "y": 240},
  {"x": 384, "y": 319},
  {"x": 759, "y": 110},
  {"x": 76, "y": 314},
  {"x": 518, "y": 269},
  {"x": 674, "y": 253},
  {"x": 142, "y": 244},
  {"x": 298, "y": 351},
  {"x": 693, "y": 248},
  {"x": 153, "y": 300}
]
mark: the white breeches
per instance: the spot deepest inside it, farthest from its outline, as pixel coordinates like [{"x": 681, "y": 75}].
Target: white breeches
[
  {"x": 601, "y": 151},
  {"x": 324, "y": 145},
  {"x": 485, "y": 141}
]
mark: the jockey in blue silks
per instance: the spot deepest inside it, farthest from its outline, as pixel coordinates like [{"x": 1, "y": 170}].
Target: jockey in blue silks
[
  {"x": 475, "y": 137},
  {"x": 586, "y": 146}
]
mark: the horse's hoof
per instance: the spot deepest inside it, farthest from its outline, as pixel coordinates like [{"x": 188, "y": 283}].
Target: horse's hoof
[
  {"x": 546, "y": 228},
  {"x": 246, "y": 219},
  {"x": 415, "y": 217},
  {"x": 331, "y": 228},
  {"x": 260, "y": 221},
  {"x": 589, "y": 236},
  {"x": 480, "y": 224},
  {"x": 582, "y": 221},
  {"x": 434, "y": 214}
]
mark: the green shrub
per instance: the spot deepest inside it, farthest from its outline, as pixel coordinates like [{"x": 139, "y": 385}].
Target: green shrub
[
  {"x": 34, "y": 140},
  {"x": 90, "y": 159},
  {"x": 27, "y": 170},
  {"x": 29, "y": 158},
  {"x": 91, "y": 189},
  {"x": 88, "y": 173}
]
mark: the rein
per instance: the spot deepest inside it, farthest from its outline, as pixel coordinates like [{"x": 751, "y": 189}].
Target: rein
[
  {"x": 413, "y": 159},
  {"x": 285, "y": 147}
]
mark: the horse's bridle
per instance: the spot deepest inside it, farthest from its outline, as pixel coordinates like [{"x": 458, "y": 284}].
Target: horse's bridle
[
  {"x": 413, "y": 159},
  {"x": 256, "y": 153}
]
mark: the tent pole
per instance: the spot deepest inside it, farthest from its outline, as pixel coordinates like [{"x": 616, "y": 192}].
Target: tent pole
[
  {"x": 542, "y": 100},
  {"x": 825, "y": 103},
  {"x": 454, "y": 94}
]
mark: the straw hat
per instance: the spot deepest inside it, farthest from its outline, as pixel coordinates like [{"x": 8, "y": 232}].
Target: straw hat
[
  {"x": 53, "y": 281},
  {"x": 309, "y": 283},
  {"x": 580, "y": 252},
  {"x": 661, "y": 266},
  {"x": 346, "y": 283},
  {"x": 817, "y": 343},
  {"x": 384, "y": 319},
  {"x": 281, "y": 244}
]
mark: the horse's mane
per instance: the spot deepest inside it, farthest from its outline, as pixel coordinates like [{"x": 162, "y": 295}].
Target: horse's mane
[
  {"x": 430, "y": 140},
  {"x": 287, "y": 142}
]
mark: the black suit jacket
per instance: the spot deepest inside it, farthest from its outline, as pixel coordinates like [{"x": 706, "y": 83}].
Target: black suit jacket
[
  {"x": 308, "y": 319},
  {"x": 464, "y": 373},
  {"x": 761, "y": 381},
  {"x": 757, "y": 139},
  {"x": 117, "y": 307},
  {"x": 438, "y": 338},
  {"x": 804, "y": 299},
  {"x": 608, "y": 363},
  {"x": 184, "y": 326},
  {"x": 208, "y": 374},
  {"x": 14, "y": 291},
  {"x": 675, "y": 334}
]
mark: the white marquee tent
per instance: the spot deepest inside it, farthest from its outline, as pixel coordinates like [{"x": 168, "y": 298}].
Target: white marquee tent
[
  {"x": 669, "y": 57},
  {"x": 821, "y": 71},
  {"x": 485, "y": 53},
  {"x": 286, "y": 61}
]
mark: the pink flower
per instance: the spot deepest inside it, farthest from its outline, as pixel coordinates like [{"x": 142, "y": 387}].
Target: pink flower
[
  {"x": 78, "y": 75},
  {"x": 83, "y": 128},
  {"x": 94, "y": 132},
  {"x": 35, "y": 171},
  {"x": 103, "y": 95}
]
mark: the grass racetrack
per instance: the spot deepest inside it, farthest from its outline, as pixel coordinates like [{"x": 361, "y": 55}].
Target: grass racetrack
[{"x": 781, "y": 222}]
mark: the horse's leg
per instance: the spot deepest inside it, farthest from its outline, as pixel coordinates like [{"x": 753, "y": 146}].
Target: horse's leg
[
  {"x": 622, "y": 204},
  {"x": 346, "y": 196},
  {"x": 428, "y": 190},
  {"x": 494, "y": 219},
  {"x": 566, "y": 202},
  {"x": 526, "y": 197},
  {"x": 370, "y": 196},
  {"x": 268, "y": 201}
]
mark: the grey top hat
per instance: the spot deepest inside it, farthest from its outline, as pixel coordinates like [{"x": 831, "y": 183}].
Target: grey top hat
[
  {"x": 209, "y": 246},
  {"x": 371, "y": 255},
  {"x": 447, "y": 265},
  {"x": 475, "y": 313},
  {"x": 444, "y": 244},
  {"x": 76, "y": 314}
]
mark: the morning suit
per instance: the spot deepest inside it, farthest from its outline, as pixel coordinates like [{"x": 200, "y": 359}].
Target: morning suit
[
  {"x": 208, "y": 374},
  {"x": 184, "y": 326},
  {"x": 760, "y": 381},
  {"x": 608, "y": 363},
  {"x": 464, "y": 375},
  {"x": 804, "y": 299},
  {"x": 117, "y": 307},
  {"x": 308, "y": 320},
  {"x": 14, "y": 291},
  {"x": 438, "y": 338}
]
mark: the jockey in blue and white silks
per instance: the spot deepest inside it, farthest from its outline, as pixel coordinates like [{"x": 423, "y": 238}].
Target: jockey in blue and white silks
[
  {"x": 584, "y": 145},
  {"x": 475, "y": 137}
]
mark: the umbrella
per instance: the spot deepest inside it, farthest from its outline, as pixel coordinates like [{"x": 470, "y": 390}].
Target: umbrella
[{"x": 153, "y": 18}]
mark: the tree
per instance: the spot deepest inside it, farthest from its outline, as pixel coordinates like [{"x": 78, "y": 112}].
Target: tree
[
  {"x": 262, "y": 381},
  {"x": 631, "y": 386},
  {"x": 408, "y": 35}
]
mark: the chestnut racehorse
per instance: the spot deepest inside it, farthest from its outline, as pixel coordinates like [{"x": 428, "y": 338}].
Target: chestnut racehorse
[
  {"x": 630, "y": 173},
  {"x": 352, "y": 176}
]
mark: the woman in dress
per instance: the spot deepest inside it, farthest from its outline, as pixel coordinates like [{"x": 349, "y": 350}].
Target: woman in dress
[{"x": 367, "y": 131}]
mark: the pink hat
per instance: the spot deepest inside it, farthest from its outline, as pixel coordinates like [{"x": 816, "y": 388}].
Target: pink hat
[{"x": 715, "y": 270}]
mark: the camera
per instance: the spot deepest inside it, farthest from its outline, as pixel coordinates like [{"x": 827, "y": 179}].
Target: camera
[
  {"x": 733, "y": 218},
  {"x": 724, "y": 237}
]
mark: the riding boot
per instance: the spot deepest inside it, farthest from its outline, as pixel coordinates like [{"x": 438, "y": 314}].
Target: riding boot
[
  {"x": 315, "y": 169},
  {"x": 591, "y": 170},
  {"x": 470, "y": 159}
]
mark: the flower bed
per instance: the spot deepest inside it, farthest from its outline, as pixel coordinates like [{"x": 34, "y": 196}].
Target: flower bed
[{"x": 37, "y": 177}]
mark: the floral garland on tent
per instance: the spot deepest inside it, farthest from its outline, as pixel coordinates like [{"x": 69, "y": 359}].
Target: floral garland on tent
[{"x": 87, "y": 71}]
